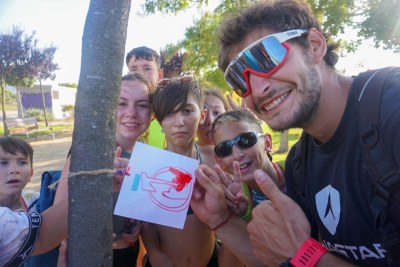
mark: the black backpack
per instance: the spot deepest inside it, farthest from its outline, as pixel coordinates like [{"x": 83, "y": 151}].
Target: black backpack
[{"x": 380, "y": 164}]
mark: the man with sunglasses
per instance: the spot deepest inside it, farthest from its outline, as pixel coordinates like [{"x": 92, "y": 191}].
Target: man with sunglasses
[{"x": 277, "y": 58}]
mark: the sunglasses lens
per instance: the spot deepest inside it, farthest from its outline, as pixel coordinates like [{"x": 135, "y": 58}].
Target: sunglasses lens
[
  {"x": 245, "y": 140},
  {"x": 263, "y": 57},
  {"x": 223, "y": 149}
]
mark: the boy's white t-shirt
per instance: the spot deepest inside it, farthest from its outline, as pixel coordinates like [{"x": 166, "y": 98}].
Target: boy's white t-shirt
[{"x": 14, "y": 230}]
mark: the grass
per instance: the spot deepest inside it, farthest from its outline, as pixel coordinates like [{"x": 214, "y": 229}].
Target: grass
[
  {"x": 56, "y": 128},
  {"x": 294, "y": 135},
  {"x": 10, "y": 107}
]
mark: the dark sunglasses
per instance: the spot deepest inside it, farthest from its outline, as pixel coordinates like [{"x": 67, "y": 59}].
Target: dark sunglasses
[
  {"x": 243, "y": 141},
  {"x": 263, "y": 57}
]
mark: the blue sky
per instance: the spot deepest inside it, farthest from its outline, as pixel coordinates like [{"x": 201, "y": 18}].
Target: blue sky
[{"x": 61, "y": 22}]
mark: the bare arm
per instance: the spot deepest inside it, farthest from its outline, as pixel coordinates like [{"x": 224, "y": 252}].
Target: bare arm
[
  {"x": 62, "y": 189},
  {"x": 54, "y": 227},
  {"x": 55, "y": 219}
]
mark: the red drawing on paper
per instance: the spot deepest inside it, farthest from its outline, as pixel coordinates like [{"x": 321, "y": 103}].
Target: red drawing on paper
[{"x": 169, "y": 188}]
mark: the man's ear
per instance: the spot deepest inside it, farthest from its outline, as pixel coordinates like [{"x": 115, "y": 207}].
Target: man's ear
[
  {"x": 318, "y": 45},
  {"x": 203, "y": 116},
  {"x": 160, "y": 74},
  {"x": 268, "y": 142}
]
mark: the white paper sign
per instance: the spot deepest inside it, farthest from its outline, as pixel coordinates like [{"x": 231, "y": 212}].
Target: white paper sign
[{"x": 158, "y": 188}]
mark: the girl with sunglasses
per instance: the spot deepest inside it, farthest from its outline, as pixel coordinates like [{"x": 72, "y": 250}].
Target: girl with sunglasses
[
  {"x": 178, "y": 107},
  {"x": 241, "y": 148}
]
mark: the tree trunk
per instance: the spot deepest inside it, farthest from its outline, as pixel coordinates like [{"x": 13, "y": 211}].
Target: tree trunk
[
  {"x": 90, "y": 196},
  {"x": 19, "y": 103},
  {"x": 3, "y": 104},
  {"x": 284, "y": 142},
  {"x": 44, "y": 104}
]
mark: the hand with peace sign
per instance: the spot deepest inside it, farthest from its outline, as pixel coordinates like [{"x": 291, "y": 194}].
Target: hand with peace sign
[{"x": 236, "y": 199}]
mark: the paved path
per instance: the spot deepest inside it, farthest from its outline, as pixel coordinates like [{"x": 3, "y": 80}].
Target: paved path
[{"x": 48, "y": 155}]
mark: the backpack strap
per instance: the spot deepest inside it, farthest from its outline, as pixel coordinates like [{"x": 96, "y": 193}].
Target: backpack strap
[{"x": 380, "y": 164}]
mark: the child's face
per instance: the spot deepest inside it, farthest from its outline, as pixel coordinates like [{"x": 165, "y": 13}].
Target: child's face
[
  {"x": 15, "y": 172},
  {"x": 148, "y": 68},
  {"x": 180, "y": 127},
  {"x": 215, "y": 107},
  {"x": 134, "y": 111},
  {"x": 249, "y": 159}
]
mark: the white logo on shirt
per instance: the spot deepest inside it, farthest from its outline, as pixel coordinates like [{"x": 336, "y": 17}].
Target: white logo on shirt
[{"x": 328, "y": 206}]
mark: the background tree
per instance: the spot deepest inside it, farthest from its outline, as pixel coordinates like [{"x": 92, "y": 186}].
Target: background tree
[
  {"x": 46, "y": 71},
  {"x": 71, "y": 85},
  {"x": 9, "y": 98},
  {"x": 19, "y": 62},
  {"x": 172, "y": 65},
  {"x": 90, "y": 196}
]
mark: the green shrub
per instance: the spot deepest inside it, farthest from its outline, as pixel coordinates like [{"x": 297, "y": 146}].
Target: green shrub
[
  {"x": 68, "y": 110},
  {"x": 38, "y": 114}
]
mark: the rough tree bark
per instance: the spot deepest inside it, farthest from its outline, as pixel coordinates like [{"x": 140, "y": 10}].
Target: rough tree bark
[{"x": 90, "y": 197}]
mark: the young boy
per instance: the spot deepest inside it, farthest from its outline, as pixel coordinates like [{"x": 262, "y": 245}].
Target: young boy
[
  {"x": 240, "y": 149},
  {"x": 19, "y": 230},
  {"x": 16, "y": 157}
]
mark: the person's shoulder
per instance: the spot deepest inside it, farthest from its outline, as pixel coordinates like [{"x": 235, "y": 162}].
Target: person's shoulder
[
  {"x": 12, "y": 224},
  {"x": 15, "y": 227}
]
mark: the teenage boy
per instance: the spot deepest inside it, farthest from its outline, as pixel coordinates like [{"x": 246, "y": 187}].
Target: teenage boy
[
  {"x": 147, "y": 62},
  {"x": 16, "y": 157},
  {"x": 277, "y": 58}
]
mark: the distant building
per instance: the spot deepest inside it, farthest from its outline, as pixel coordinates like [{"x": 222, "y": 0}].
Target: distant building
[{"x": 55, "y": 97}]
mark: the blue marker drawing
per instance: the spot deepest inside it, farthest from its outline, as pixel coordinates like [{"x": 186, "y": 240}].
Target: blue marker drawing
[{"x": 136, "y": 181}]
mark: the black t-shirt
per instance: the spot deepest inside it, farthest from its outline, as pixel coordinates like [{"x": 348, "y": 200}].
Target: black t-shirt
[{"x": 338, "y": 186}]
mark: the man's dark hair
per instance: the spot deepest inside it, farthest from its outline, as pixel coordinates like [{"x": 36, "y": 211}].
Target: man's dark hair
[
  {"x": 277, "y": 16},
  {"x": 174, "y": 94},
  {"x": 143, "y": 52},
  {"x": 12, "y": 145}
]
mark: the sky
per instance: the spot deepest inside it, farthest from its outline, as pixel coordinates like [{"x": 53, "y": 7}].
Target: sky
[{"x": 61, "y": 23}]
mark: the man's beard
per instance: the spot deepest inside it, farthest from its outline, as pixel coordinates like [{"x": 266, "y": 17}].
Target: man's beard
[{"x": 306, "y": 109}]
